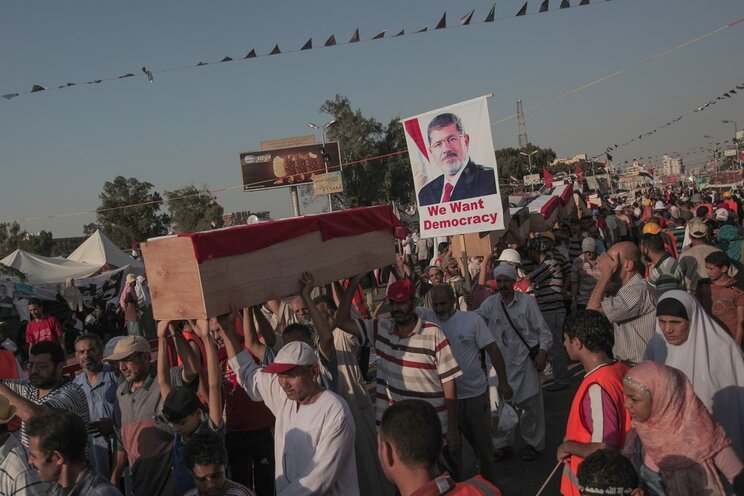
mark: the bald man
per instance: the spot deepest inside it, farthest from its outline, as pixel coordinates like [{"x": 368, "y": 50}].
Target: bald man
[{"x": 632, "y": 308}]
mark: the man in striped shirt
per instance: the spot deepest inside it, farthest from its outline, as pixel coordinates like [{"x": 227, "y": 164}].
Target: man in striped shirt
[
  {"x": 17, "y": 477},
  {"x": 632, "y": 309},
  {"x": 415, "y": 358},
  {"x": 45, "y": 387},
  {"x": 547, "y": 280}
]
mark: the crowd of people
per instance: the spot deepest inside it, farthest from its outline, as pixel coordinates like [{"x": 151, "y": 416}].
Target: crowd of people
[{"x": 643, "y": 293}]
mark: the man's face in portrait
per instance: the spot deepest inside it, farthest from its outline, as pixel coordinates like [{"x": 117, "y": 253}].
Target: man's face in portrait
[{"x": 449, "y": 148}]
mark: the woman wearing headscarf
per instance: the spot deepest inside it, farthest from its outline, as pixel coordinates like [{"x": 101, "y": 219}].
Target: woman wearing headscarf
[
  {"x": 674, "y": 442},
  {"x": 689, "y": 340}
]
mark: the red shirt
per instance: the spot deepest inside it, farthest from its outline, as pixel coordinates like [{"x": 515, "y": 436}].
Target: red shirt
[{"x": 45, "y": 329}]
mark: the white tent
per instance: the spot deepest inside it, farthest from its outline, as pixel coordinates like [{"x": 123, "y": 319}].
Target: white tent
[
  {"x": 48, "y": 270},
  {"x": 99, "y": 250}
]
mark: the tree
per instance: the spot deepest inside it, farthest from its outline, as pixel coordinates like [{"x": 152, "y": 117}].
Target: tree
[
  {"x": 511, "y": 162},
  {"x": 130, "y": 211},
  {"x": 41, "y": 244},
  {"x": 89, "y": 229},
  {"x": 192, "y": 209},
  {"x": 11, "y": 236},
  {"x": 398, "y": 180}
]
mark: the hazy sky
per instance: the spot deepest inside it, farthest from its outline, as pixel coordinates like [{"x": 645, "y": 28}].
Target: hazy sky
[{"x": 57, "y": 148}]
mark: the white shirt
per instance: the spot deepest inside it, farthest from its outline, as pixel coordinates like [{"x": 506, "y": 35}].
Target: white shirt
[
  {"x": 524, "y": 313},
  {"x": 467, "y": 334},
  {"x": 313, "y": 444}
]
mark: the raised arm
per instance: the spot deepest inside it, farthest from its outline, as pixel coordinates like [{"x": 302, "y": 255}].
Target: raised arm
[
  {"x": 163, "y": 367},
  {"x": 325, "y": 333},
  {"x": 265, "y": 331},
  {"x": 214, "y": 377},
  {"x": 24, "y": 408},
  {"x": 250, "y": 338},
  {"x": 343, "y": 315},
  {"x": 188, "y": 358}
]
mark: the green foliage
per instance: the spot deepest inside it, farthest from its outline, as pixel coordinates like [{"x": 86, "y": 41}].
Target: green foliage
[
  {"x": 11, "y": 236},
  {"x": 89, "y": 229},
  {"x": 511, "y": 162},
  {"x": 124, "y": 225},
  {"x": 41, "y": 244},
  {"x": 192, "y": 209}
]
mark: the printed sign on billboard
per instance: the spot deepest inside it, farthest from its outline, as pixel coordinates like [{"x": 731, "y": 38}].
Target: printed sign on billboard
[{"x": 287, "y": 166}]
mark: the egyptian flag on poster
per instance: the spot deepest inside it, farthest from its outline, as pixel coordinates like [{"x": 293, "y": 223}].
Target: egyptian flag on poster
[{"x": 454, "y": 169}]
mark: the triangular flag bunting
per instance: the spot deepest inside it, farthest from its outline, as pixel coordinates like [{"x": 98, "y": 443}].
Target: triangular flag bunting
[
  {"x": 522, "y": 11},
  {"x": 354, "y": 37},
  {"x": 120, "y": 77},
  {"x": 379, "y": 35},
  {"x": 491, "y": 14},
  {"x": 308, "y": 45},
  {"x": 733, "y": 91},
  {"x": 727, "y": 95},
  {"x": 565, "y": 4},
  {"x": 8, "y": 96},
  {"x": 330, "y": 41},
  {"x": 544, "y": 6},
  {"x": 402, "y": 32},
  {"x": 251, "y": 54},
  {"x": 424, "y": 29},
  {"x": 465, "y": 20},
  {"x": 275, "y": 50},
  {"x": 72, "y": 84},
  {"x": 226, "y": 59},
  {"x": 36, "y": 88},
  {"x": 442, "y": 22},
  {"x": 584, "y": 2},
  {"x": 201, "y": 64}
]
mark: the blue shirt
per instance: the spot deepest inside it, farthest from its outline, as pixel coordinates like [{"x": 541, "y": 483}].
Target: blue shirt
[{"x": 100, "y": 398}]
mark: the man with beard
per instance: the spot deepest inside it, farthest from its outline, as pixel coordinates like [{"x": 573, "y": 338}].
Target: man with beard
[
  {"x": 462, "y": 178},
  {"x": 524, "y": 338},
  {"x": 415, "y": 357},
  {"x": 98, "y": 382},
  {"x": 45, "y": 387},
  {"x": 468, "y": 335},
  {"x": 632, "y": 308},
  {"x": 584, "y": 275}
]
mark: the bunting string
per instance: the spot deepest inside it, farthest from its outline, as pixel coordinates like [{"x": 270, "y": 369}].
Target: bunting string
[{"x": 464, "y": 21}]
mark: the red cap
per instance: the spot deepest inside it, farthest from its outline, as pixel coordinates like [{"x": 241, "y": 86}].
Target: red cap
[{"x": 401, "y": 290}]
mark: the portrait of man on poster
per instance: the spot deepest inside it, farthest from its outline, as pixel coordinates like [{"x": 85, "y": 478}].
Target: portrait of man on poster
[{"x": 461, "y": 178}]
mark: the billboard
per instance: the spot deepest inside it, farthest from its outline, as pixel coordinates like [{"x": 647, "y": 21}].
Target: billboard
[
  {"x": 290, "y": 166},
  {"x": 454, "y": 169},
  {"x": 532, "y": 179}
]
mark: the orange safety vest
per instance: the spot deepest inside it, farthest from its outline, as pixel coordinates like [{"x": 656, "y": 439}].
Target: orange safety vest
[
  {"x": 610, "y": 378},
  {"x": 477, "y": 486}
]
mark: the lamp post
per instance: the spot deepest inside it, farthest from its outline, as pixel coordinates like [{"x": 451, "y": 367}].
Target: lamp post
[
  {"x": 529, "y": 160},
  {"x": 322, "y": 130},
  {"x": 712, "y": 150},
  {"x": 736, "y": 141}
]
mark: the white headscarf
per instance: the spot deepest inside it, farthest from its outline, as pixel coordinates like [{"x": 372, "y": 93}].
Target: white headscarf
[{"x": 712, "y": 361}]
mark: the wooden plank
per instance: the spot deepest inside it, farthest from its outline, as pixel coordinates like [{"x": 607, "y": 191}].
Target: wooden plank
[
  {"x": 274, "y": 272},
  {"x": 173, "y": 279}
]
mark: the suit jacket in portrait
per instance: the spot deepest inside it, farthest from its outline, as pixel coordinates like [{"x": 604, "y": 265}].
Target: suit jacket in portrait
[{"x": 474, "y": 181}]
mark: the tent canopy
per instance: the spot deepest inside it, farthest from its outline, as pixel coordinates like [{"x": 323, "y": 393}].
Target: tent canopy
[
  {"x": 47, "y": 270},
  {"x": 99, "y": 250}
]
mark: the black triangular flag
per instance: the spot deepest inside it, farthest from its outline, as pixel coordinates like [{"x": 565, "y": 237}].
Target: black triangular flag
[
  {"x": 8, "y": 96},
  {"x": 36, "y": 88},
  {"x": 379, "y": 35},
  {"x": 584, "y": 2},
  {"x": 733, "y": 91},
  {"x": 424, "y": 29},
  {"x": 120, "y": 77},
  {"x": 609, "y": 157},
  {"x": 201, "y": 64},
  {"x": 308, "y": 45},
  {"x": 565, "y": 4},
  {"x": 544, "y": 6},
  {"x": 491, "y": 14},
  {"x": 250, "y": 55},
  {"x": 227, "y": 59},
  {"x": 275, "y": 50},
  {"x": 727, "y": 95},
  {"x": 330, "y": 41},
  {"x": 465, "y": 20},
  {"x": 402, "y": 32},
  {"x": 354, "y": 37},
  {"x": 522, "y": 11},
  {"x": 442, "y": 22}
]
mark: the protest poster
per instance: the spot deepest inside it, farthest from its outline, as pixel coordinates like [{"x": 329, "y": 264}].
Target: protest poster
[{"x": 454, "y": 169}]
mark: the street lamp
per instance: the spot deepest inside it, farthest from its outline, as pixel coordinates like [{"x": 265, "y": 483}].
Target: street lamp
[
  {"x": 323, "y": 130},
  {"x": 529, "y": 157},
  {"x": 736, "y": 141}
]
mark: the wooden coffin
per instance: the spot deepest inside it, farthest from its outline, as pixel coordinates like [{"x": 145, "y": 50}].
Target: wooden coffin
[{"x": 199, "y": 275}]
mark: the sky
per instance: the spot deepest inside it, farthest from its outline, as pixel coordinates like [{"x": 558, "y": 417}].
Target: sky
[{"x": 188, "y": 126}]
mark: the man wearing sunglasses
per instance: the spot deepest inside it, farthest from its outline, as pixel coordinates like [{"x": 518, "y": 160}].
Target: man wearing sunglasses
[{"x": 461, "y": 177}]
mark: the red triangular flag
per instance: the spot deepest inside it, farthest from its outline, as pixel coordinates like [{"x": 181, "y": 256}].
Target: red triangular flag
[
  {"x": 465, "y": 20},
  {"x": 442, "y": 22},
  {"x": 308, "y": 45},
  {"x": 548, "y": 177},
  {"x": 354, "y": 37},
  {"x": 275, "y": 50},
  {"x": 379, "y": 35},
  {"x": 579, "y": 175},
  {"x": 544, "y": 6},
  {"x": 522, "y": 11},
  {"x": 330, "y": 41}
]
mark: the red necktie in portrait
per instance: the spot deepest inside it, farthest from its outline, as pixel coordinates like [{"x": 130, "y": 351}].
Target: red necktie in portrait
[{"x": 447, "y": 192}]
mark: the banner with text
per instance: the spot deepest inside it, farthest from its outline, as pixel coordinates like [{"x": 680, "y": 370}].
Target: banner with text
[{"x": 454, "y": 169}]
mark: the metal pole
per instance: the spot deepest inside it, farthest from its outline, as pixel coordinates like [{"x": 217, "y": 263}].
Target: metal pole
[
  {"x": 295, "y": 199},
  {"x": 325, "y": 162}
]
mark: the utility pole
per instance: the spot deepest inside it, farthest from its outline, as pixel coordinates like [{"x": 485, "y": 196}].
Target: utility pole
[
  {"x": 736, "y": 141},
  {"x": 322, "y": 130},
  {"x": 522, "y": 127}
]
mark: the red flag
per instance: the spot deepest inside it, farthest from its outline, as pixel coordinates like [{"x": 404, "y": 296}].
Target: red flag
[
  {"x": 579, "y": 175},
  {"x": 548, "y": 177}
]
